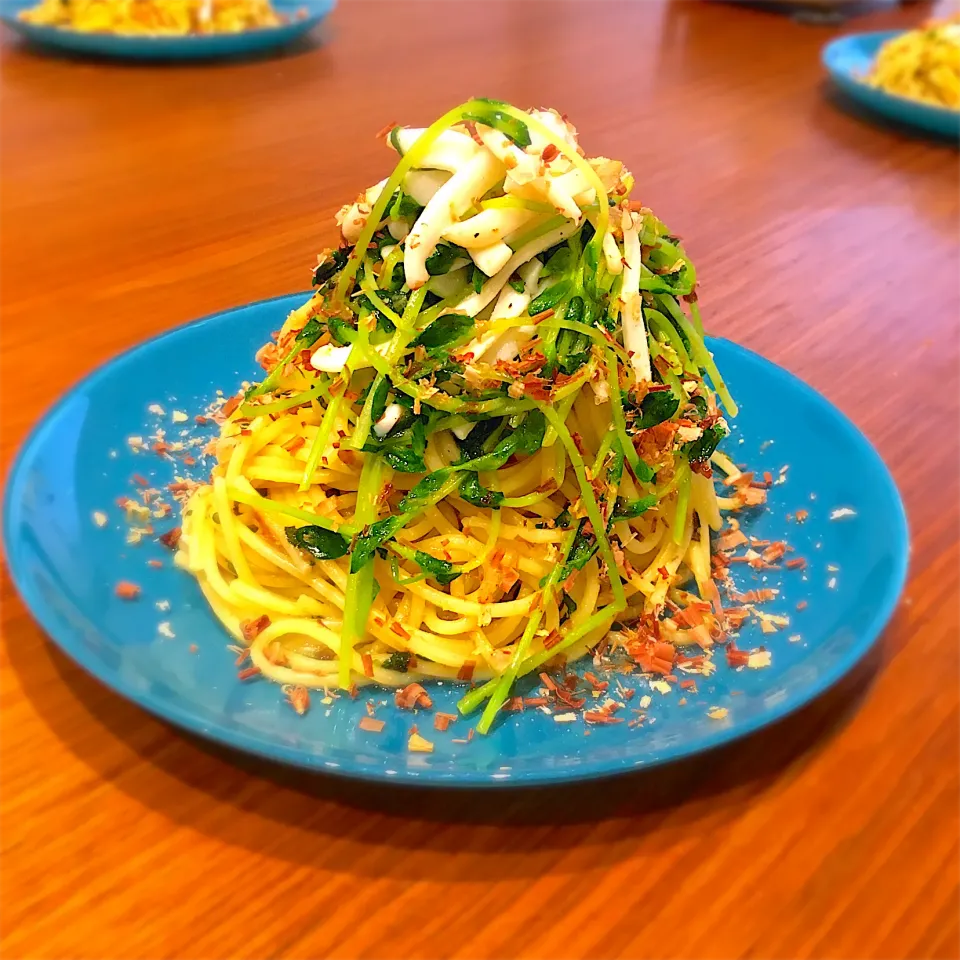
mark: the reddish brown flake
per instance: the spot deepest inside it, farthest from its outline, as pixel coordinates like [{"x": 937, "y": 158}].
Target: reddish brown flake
[
  {"x": 690, "y": 617},
  {"x": 371, "y": 725},
  {"x": 731, "y": 540},
  {"x": 796, "y": 563},
  {"x": 774, "y": 552},
  {"x": 200, "y": 419},
  {"x": 230, "y": 406},
  {"x": 251, "y": 629},
  {"x": 385, "y": 131},
  {"x": 299, "y": 698},
  {"x": 154, "y": 563},
  {"x": 596, "y": 682},
  {"x": 465, "y": 672},
  {"x": 802, "y": 605},
  {"x": 248, "y": 672},
  {"x": 552, "y": 639},
  {"x": 549, "y": 152},
  {"x": 665, "y": 651},
  {"x": 189, "y": 461},
  {"x": 597, "y": 716},
  {"x": 518, "y": 368},
  {"x": 412, "y": 695},
  {"x": 565, "y": 697},
  {"x": 802, "y": 515},
  {"x": 354, "y": 691},
  {"x": 141, "y": 480},
  {"x": 171, "y": 538},
  {"x": 443, "y": 720},
  {"x": 126, "y": 590},
  {"x": 754, "y": 596},
  {"x": 294, "y": 444},
  {"x": 537, "y": 388},
  {"x": 535, "y": 701},
  {"x": 367, "y": 662},
  {"x": 737, "y": 658}
]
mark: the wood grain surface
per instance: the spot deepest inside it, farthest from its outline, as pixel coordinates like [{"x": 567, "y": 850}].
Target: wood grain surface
[{"x": 138, "y": 197}]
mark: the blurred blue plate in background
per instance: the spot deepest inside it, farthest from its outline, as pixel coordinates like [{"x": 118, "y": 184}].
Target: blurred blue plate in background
[
  {"x": 849, "y": 59},
  {"x": 168, "y": 653},
  {"x": 193, "y": 47}
]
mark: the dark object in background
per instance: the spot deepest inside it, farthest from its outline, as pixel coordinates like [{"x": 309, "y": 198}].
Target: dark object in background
[{"x": 823, "y": 11}]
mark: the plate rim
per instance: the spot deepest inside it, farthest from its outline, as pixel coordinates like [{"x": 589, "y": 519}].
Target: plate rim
[
  {"x": 277, "y": 752},
  {"x": 134, "y": 44},
  {"x": 845, "y": 78}
]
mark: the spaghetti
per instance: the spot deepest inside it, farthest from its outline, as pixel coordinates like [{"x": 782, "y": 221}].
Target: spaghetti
[
  {"x": 483, "y": 440},
  {"x": 155, "y": 17},
  {"x": 922, "y": 64}
]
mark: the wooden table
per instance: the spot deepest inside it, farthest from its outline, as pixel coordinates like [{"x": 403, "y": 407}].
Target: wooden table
[{"x": 136, "y": 197}]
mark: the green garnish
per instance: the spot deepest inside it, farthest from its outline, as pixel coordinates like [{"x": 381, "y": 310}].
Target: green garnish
[{"x": 321, "y": 544}]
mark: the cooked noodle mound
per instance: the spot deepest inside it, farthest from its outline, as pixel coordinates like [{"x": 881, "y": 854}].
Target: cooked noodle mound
[
  {"x": 484, "y": 439},
  {"x": 922, "y": 64},
  {"x": 155, "y": 17}
]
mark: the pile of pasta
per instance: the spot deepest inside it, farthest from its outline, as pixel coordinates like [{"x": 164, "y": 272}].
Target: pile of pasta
[
  {"x": 159, "y": 17},
  {"x": 487, "y": 436},
  {"x": 922, "y": 64}
]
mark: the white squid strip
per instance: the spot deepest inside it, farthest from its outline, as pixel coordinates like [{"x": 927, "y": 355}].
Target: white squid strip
[
  {"x": 472, "y": 305},
  {"x": 521, "y": 165},
  {"x": 391, "y": 417},
  {"x": 449, "y": 203},
  {"x": 423, "y": 184},
  {"x": 575, "y": 182},
  {"x": 560, "y": 128},
  {"x": 631, "y": 313},
  {"x": 487, "y": 227},
  {"x": 450, "y": 151},
  {"x": 562, "y": 201},
  {"x": 331, "y": 358},
  {"x": 491, "y": 259},
  {"x": 511, "y": 303},
  {"x": 612, "y": 255}
]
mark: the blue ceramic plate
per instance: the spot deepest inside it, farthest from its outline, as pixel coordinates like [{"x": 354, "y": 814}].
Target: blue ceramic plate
[
  {"x": 171, "y": 48},
  {"x": 77, "y": 462},
  {"x": 849, "y": 59}
]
